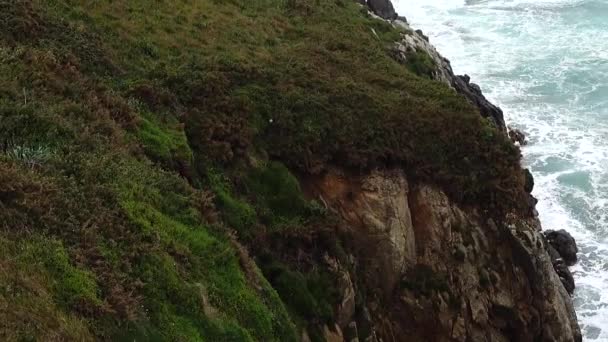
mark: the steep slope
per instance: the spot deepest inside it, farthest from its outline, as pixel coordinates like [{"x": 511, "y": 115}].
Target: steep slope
[{"x": 260, "y": 170}]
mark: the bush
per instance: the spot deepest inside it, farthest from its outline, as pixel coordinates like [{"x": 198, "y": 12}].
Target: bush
[
  {"x": 277, "y": 194},
  {"x": 420, "y": 63}
]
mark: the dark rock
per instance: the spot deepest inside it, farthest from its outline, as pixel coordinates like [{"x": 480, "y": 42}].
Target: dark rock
[
  {"x": 421, "y": 34},
  {"x": 529, "y": 181},
  {"x": 383, "y": 8},
  {"x": 517, "y": 136},
  {"x": 564, "y": 244},
  {"x": 402, "y": 18},
  {"x": 475, "y": 88},
  {"x": 473, "y": 93},
  {"x": 565, "y": 276},
  {"x": 562, "y": 270},
  {"x": 532, "y": 201},
  {"x": 553, "y": 254}
]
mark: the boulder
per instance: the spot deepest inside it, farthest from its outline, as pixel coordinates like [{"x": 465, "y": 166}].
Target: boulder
[
  {"x": 383, "y": 8},
  {"x": 564, "y": 244},
  {"x": 517, "y": 136}
]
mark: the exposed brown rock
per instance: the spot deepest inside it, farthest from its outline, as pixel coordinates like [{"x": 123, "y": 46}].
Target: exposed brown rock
[
  {"x": 460, "y": 275},
  {"x": 375, "y": 208}
]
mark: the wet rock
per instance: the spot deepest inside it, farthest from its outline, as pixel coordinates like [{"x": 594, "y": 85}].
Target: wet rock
[
  {"x": 517, "y": 136},
  {"x": 549, "y": 295},
  {"x": 564, "y": 244}
]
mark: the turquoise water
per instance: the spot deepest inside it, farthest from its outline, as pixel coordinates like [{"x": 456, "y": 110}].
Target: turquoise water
[{"x": 546, "y": 64}]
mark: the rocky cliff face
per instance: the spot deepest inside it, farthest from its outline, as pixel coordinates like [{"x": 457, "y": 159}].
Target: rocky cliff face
[
  {"x": 423, "y": 268},
  {"x": 430, "y": 270}
]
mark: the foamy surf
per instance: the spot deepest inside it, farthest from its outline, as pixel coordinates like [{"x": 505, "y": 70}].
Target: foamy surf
[{"x": 546, "y": 64}]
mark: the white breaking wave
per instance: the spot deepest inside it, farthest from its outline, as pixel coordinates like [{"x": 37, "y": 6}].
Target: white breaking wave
[{"x": 545, "y": 63}]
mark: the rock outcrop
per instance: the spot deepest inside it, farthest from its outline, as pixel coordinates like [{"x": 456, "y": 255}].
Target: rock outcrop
[
  {"x": 423, "y": 268},
  {"x": 382, "y": 8},
  {"x": 562, "y": 248},
  {"x": 431, "y": 270},
  {"x": 564, "y": 244},
  {"x": 517, "y": 136},
  {"x": 415, "y": 40},
  {"x": 376, "y": 210},
  {"x": 412, "y": 41}
]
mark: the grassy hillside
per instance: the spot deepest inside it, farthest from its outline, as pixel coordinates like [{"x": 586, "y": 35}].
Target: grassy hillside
[{"x": 135, "y": 136}]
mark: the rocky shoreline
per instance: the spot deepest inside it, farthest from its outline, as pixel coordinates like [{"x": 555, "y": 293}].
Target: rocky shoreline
[{"x": 538, "y": 306}]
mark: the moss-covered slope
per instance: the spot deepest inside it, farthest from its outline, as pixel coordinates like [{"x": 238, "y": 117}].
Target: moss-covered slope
[{"x": 136, "y": 135}]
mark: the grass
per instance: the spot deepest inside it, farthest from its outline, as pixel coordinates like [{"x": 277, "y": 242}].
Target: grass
[{"x": 119, "y": 118}]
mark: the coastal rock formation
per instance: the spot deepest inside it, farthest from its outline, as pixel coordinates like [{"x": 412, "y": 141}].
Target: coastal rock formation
[
  {"x": 376, "y": 210},
  {"x": 284, "y": 179},
  {"x": 517, "y": 136},
  {"x": 413, "y": 41},
  {"x": 529, "y": 181},
  {"x": 434, "y": 271},
  {"x": 562, "y": 270},
  {"x": 564, "y": 244},
  {"x": 562, "y": 248},
  {"x": 382, "y": 8}
]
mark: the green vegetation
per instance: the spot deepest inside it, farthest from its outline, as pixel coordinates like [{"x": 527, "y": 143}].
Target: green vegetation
[
  {"x": 420, "y": 63},
  {"x": 127, "y": 128},
  {"x": 309, "y": 296}
]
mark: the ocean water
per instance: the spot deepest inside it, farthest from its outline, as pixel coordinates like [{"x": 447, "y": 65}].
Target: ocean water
[{"x": 545, "y": 63}]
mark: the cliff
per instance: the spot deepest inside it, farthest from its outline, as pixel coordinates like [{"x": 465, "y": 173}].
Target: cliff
[
  {"x": 435, "y": 271},
  {"x": 266, "y": 170}
]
